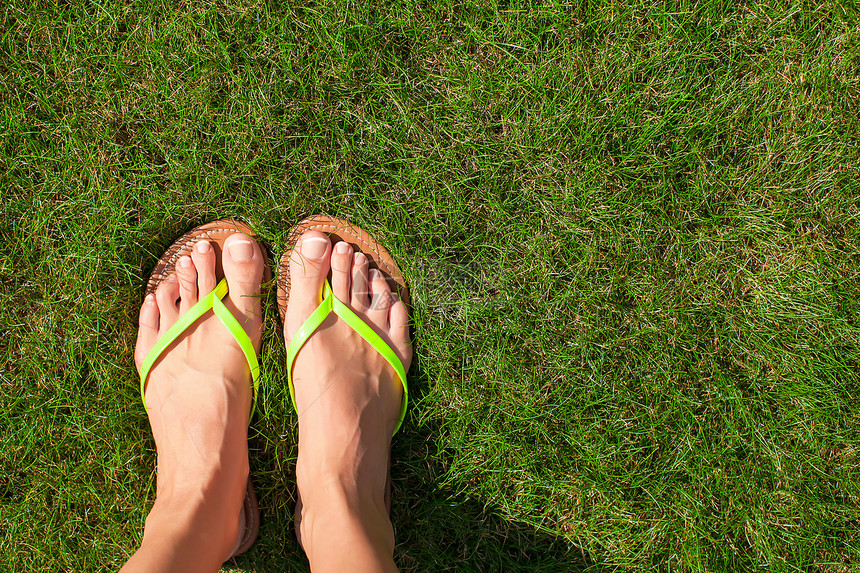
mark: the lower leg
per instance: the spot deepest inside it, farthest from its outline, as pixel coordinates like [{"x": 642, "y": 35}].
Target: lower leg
[
  {"x": 193, "y": 535},
  {"x": 202, "y": 452},
  {"x": 342, "y": 470}
]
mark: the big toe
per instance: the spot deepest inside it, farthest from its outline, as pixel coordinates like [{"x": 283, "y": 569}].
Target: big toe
[
  {"x": 243, "y": 264},
  {"x": 309, "y": 266}
]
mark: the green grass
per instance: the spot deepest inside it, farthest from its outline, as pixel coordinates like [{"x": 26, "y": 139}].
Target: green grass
[{"x": 631, "y": 230}]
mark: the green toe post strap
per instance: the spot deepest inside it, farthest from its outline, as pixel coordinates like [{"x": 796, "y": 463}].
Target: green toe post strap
[
  {"x": 331, "y": 304},
  {"x": 210, "y": 301}
]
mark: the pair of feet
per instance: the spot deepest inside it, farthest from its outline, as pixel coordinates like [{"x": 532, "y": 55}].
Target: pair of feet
[{"x": 199, "y": 398}]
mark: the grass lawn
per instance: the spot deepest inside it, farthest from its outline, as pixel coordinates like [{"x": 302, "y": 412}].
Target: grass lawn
[{"x": 631, "y": 230}]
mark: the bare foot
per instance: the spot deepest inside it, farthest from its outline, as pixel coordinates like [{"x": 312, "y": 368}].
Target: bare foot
[
  {"x": 198, "y": 399},
  {"x": 348, "y": 399}
]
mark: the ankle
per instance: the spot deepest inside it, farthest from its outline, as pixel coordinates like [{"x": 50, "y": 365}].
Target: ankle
[
  {"x": 343, "y": 477},
  {"x": 341, "y": 492},
  {"x": 193, "y": 526},
  {"x": 200, "y": 508},
  {"x": 339, "y": 509}
]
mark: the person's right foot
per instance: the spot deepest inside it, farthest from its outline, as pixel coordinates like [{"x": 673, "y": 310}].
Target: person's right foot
[{"x": 348, "y": 396}]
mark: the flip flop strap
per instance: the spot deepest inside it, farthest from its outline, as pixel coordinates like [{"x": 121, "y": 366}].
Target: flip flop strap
[
  {"x": 328, "y": 304},
  {"x": 210, "y": 301}
]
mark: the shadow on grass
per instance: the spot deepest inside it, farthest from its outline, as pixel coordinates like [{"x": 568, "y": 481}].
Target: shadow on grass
[{"x": 438, "y": 529}]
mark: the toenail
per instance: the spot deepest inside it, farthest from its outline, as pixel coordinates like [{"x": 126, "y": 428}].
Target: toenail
[
  {"x": 203, "y": 247},
  {"x": 360, "y": 259},
  {"x": 185, "y": 261},
  {"x": 150, "y": 299},
  {"x": 241, "y": 250},
  {"x": 342, "y": 247},
  {"x": 314, "y": 247}
]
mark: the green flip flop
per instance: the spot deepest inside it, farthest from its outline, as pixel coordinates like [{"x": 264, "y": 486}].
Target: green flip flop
[
  {"x": 378, "y": 257},
  {"x": 212, "y": 301},
  {"x": 216, "y": 233}
]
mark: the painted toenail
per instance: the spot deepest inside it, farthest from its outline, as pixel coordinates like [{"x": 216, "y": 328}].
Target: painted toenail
[
  {"x": 342, "y": 247},
  {"x": 314, "y": 247},
  {"x": 241, "y": 250},
  {"x": 185, "y": 261},
  {"x": 203, "y": 247}
]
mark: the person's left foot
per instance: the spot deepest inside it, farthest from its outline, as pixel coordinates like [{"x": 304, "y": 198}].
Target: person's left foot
[{"x": 199, "y": 392}]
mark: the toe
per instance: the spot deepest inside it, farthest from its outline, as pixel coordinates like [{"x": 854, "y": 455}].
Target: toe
[
  {"x": 341, "y": 269},
  {"x": 398, "y": 332},
  {"x": 309, "y": 266},
  {"x": 203, "y": 256},
  {"x": 147, "y": 333},
  {"x": 380, "y": 299},
  {"x": 166, "y": 296},
  {"x": 187, "y": 275},
  {"x": 360, "y": 298},
  {"x": 243, "y": 269}
]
